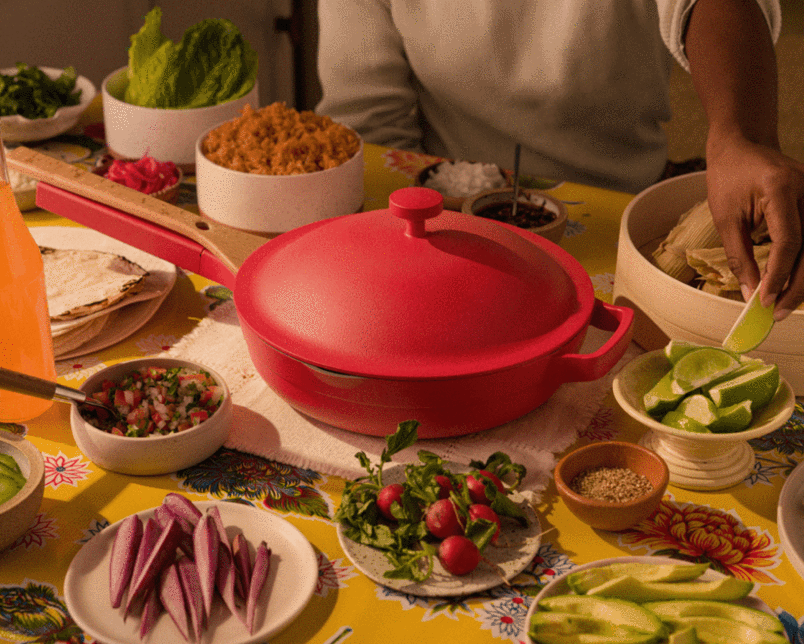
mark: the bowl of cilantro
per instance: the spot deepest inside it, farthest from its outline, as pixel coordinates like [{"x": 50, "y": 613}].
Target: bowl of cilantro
[
  {"x": 169, "y": 414},
  {"x": 38, "y": 103}
]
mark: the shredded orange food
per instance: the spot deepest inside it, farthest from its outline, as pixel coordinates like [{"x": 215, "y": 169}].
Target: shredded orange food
[{"x": 280, "y": 140}]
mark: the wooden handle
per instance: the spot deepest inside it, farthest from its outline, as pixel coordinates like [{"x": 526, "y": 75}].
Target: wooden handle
[
  {"x": 230, "y": 245},
  {"x": 22, "y": 383}
]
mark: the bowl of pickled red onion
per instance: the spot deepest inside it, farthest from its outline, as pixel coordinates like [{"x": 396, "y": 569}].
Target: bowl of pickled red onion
[
  {"x": 160, "y": 179},
  {"x": 170, "y": 414}
]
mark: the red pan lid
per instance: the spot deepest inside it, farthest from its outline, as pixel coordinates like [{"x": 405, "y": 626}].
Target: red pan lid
[{"x": 413, "y": 292}]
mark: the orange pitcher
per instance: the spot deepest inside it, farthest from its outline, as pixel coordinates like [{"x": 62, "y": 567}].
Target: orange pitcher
[{"x": 26, "y": 344}]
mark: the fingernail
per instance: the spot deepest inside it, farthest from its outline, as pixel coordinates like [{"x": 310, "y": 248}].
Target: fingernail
[
  {"x": 781, "y": 314},
  {"x": 745, "y": 291}
]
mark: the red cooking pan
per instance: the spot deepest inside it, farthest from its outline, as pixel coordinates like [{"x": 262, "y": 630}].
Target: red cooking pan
[{"x": 365, "y": 320}]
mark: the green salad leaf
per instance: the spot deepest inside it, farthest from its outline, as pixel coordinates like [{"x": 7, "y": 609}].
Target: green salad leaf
[
  {"x": 33, "y": 94},
  {"x": 211, "y": 64}
]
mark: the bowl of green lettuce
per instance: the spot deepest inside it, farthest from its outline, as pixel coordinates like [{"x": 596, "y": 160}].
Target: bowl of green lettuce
[{"x": 170, "y": 92}]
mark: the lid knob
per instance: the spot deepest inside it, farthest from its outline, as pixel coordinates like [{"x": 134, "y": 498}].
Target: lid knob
[{"x": 415, "y": 205}]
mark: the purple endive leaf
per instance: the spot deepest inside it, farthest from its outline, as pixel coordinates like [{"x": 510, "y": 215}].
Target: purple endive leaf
[
  {"x": 172, "y": 597},
  {"x": 206, "y": 541},
  {"x": 162, "y": 555},
  {"x": 165, "y": 513},
  {"x": 151, "y": 609},
  {"x": 124, "y": 555},
  {"x": 191, "y": 585},
  {"x": 262, "y": 564},
  {"x": 215, "y": 513},
  {"x": 226, "y": 581},
  {"x": 182, "y": 506},
  {"x": 242, "y": 562}
]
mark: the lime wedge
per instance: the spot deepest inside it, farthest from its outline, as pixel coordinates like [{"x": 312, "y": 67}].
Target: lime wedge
[
  {"x": 752, "y": 326},
  {"x": 675, "y": 349},
  {"x": 758, "y": 386},
  {"x": 701, "y": 366},
  {"x": 677, "y": 420},
  {"x": 699, "y": 408},
  {"x": 661, "y": 398},
  {"x": 734, "y": 418},
  {"x": 745, "y": 367}
]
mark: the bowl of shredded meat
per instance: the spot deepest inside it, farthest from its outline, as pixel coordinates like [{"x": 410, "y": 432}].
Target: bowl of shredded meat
[{"x": 275, "y": 168}]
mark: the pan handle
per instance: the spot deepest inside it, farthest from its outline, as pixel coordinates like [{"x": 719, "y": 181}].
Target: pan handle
[
  {"x": 573, "y": 367},
  {"x": 230, "y": 245}
]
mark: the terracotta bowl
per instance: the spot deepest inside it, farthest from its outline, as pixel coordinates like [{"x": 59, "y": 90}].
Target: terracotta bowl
[
  {"x": 18, "y": 513},
  {"x": 612, "y": 515},
  {"x": 553, "y": 231},
  {"x": 152, "y": 455},
  {"x": 451, "y": 201}
]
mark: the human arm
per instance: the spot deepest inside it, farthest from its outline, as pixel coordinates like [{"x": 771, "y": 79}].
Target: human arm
[
  {"x": 366, "y": 80},
  {"x": 733, "y": 66}
]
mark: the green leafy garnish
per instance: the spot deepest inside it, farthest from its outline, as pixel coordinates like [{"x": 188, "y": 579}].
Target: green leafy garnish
[
  {"x": 33, "y": 94},
  {"x": 211, "y": 64},
  {"x": 406, "y": 542}
]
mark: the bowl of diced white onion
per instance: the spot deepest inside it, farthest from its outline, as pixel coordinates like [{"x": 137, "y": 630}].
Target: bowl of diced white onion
[
  {"x": 172, "y": 414},
  {"x": 458, "y": 180}
]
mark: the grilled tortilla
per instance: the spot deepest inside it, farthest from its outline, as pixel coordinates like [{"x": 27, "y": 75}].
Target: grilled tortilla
[{"x": 81, "y": 282}]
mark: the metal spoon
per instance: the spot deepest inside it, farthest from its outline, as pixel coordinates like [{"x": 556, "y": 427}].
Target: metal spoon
[
  {"x": 517, "y": 153},
  {"x": 22, "y": 383}
]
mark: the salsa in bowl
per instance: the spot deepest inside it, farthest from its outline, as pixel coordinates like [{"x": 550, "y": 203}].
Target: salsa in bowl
[{"x": 167, "y": 414}]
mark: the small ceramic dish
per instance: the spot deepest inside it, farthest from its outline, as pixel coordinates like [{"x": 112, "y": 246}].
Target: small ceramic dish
[
  {"x": 151, "y": 455},
  {"x": 696, "y": 461},
  {"x": 18, "y": 129},
  {"x": 169, "y": 193},
  {"x": 612, "y": 515},
  {"x": 265, "y": 203},
  {"x": 542, "y": 206},
  {"x": 165, "y": 134},
  {"x": 455, "y": 201},
  {"x": 18, "y": 513}
]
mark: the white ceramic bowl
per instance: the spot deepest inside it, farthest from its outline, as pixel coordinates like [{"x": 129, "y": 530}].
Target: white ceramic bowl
[
  {"x": 696, "y": 461},
  {"x": 165, "y": 134},
  {"x": 18, "y": 513},
  {"x": 153, "y": 455},
  {"x": 264, "y": 203},
  {"x": 18, "y": 129},
  {"x": 667, "y": 308}
]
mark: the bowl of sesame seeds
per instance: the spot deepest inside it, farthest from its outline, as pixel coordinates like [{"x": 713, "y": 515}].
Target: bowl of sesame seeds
[{"x": 612, "y": 485}]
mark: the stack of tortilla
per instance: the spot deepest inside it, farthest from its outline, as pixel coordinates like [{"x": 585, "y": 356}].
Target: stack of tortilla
[{"x": 97, "y": 293}]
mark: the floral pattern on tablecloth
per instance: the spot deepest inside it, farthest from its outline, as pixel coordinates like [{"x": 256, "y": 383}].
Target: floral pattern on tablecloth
[{"x": 34, "y": 612}]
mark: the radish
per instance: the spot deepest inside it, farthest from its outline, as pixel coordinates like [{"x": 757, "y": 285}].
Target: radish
[
  {"x": 162, "y": 555},
  {"x": 191, "y": 586},
  {"x": 151, "y": 609},
  {"x": 172, "y": 597},
  {"x": 442, "y": 520},
  {"x": 389, "y": 495},
  {"x": 458, "y": 554},
  {"x": 242, "y": 562},
  {"x": 444, "y": 486},
  {"x": 226, "y": 581},
  {"x": 477, "y": 487},
  {"x": 262, "y": 563},
  {"x": 123, "y": 557},
  {"x": 206, "y": 542},
  {"x": 481, "y": 511},
  {"x": 182, "y": 506}
]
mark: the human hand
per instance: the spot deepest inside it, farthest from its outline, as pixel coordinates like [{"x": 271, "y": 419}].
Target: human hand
[{"x": 748, "y": 183}]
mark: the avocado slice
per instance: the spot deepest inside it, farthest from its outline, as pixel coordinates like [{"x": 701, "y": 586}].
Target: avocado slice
[
  {"x": 578, "y": 619},
  {"x": 703, "y": 608},
  {"x": 584, "y": 580},
  {"x": 722, "y": 630},
  {"x": 625, "y": 587}
]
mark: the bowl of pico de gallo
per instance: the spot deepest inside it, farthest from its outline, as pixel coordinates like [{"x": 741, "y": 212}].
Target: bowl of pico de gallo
[{"x": 164, "y": 415}]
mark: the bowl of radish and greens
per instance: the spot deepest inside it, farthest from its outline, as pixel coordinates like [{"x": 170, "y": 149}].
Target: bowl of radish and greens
[
  {"x": 170, "y": 414},
  {"x": 435, "y": 528}
]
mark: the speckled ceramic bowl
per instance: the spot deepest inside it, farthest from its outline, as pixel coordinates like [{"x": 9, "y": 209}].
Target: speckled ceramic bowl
[
  {"x": 18, "y": 513},
  {"x": 612, "y": 515}
]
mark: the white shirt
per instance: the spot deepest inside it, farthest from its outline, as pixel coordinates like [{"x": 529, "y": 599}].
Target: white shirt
[{"x": 582, "y": 84}]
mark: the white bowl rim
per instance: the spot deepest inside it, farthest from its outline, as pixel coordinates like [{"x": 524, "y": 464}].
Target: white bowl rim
[
  {"x": 226, "y": 403},
  {"x": 761, "y": 430},
  {"x": 184, "y": 110},
  {"x": 202, "y": 158},
  {"x": 88, "y": 93}
]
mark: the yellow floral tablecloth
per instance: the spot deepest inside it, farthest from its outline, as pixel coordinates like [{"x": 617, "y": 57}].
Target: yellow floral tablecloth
[{"x": 734, "y": 529}]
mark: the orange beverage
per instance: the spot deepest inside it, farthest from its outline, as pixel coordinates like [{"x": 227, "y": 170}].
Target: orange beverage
[{"x": 26, "y": 344}]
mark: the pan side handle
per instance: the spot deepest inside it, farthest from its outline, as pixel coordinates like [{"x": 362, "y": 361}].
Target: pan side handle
[{"x": 573, "y": 367}]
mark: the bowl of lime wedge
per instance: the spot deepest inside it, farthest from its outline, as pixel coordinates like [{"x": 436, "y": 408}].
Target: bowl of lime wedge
[{"x": 701, "y": 405}]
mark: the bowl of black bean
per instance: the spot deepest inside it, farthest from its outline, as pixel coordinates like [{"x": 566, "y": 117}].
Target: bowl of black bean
[
  {"x": 612, "y": 485},
  {"x": 536, "y": 211}
]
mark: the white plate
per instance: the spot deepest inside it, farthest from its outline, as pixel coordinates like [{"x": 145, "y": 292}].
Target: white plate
[
  {"x": 559, "y": 585},
  {"x": 511, "y": 560},
  {"x": 292, "y": 578},
  {"x": 132, "y": 314},
  {"x": 790, "y": 518}
]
